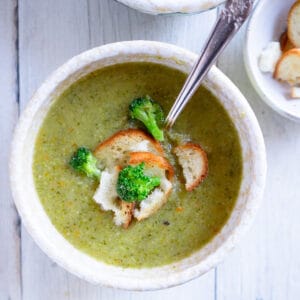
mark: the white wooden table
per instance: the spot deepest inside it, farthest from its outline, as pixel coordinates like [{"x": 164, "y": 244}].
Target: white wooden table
[{"x": 36, "y": 36}]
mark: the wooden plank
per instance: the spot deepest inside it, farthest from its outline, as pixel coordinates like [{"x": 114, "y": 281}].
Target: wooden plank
[
  {"x": 50, "y": 32},
  {"x": 266, "y": 265},
  {"x": 10, "y": 275},
  {"x": 201, "y": 288}
]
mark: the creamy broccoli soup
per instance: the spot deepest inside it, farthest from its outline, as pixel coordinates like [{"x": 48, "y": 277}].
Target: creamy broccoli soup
[{"x": 96, "y": 107}]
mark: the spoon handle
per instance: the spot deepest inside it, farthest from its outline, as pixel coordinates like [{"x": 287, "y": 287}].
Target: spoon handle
[{"x": 229, "y": 21}]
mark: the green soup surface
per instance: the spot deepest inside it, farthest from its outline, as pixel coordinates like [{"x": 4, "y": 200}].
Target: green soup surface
[{"x": 96, "y": 107}]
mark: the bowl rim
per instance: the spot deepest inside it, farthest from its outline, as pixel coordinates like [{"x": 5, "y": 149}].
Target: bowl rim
[
  {"x": 250, "y": 68},
  {"x": 159, "y": 7},
  {"x": 182, "y": 275}
]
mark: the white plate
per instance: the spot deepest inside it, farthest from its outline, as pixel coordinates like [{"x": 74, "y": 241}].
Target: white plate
[{"x": 267, "y": 24}]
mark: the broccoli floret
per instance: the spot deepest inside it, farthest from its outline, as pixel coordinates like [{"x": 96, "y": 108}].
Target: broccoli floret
[
  {"x": 84, "y": 162},
  {"x": 150, "y": 113},
  {"x": 134, "y": 185}
]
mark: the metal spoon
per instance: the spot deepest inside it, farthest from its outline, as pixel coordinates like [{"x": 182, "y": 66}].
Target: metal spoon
[{"x": 229, "y": 22}]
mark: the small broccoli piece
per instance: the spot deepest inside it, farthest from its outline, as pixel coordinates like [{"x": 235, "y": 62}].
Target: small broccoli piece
[
  {"x": 150, "y": 113},
  {"x": 84, "y": 162},
  {"x": 134, "y": 185}
]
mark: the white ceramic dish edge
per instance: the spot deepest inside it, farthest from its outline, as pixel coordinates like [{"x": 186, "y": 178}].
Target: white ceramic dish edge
[
  {"x": 51, "y": 242},
  {"x": 157, "y": 7},
  {"x": 271, "y": 91}
]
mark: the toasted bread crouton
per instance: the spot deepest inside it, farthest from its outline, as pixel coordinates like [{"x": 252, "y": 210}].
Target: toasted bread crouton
[
  {"x": 285, "y": 43},
  {"x": 294, "y": 24},
  {"x": 288, "y": 67},
  {"x": 152, "y": 160},
  {"x": 114, "y": 150},
  {"x": 194, "y": 163},
  {"x": 295, "y": 92},
  {"x": 155, "y": 166},
  {"x": 269, "y": 57},
  {"x": 283, "y": 40},
  {"x": 126, "y": 213},
  {"x": 154, "y": 201},
  {"x": 106, "y": 195}
]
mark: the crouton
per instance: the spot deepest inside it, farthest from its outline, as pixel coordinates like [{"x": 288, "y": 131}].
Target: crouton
[
  {"x": 152, "y": 160},
  {"x": 285, "y": 43},
  {"x": 106, "y": 195},
  {"x": 126, "y": 213},
  {"x": 269, "y": 57},
  {"x": 194, "y": 163},
  {"x": 155, "y": 166},
  {"x": 294, "y": 24},
  {"x": 288, "y": 67},
  {"x": 114, "y": 150},
  {"x": 154, "y": 201}
]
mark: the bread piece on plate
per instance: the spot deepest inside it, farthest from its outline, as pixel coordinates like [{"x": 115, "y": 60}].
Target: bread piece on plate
[
  {"x": 106, "y": 195},
  {"x": 294, "y": 24},
  {"x": 285, "y": 43},
  {"x": 194, "y": 163},
  {"x": 288, "y": 67},
  {"x": 154, "y": 166},
  {"x": 269, "y": 57},
  {"x": 114, "y": 150}
]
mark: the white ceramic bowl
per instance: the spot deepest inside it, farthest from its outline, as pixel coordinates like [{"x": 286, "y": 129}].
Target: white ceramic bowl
[
  {"x": 156, "y": 7},
  {"x": 267, "y": 23},
  {"x": 57, "y": 247}
]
